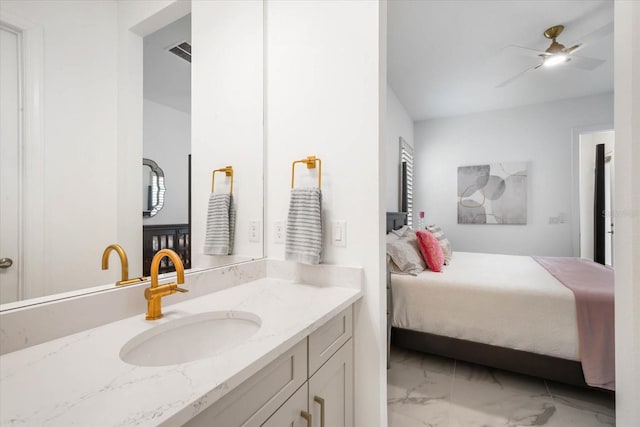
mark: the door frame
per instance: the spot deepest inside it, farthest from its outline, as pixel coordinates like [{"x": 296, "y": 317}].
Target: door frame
[
  {"x": 12, "y": 149},
  {"x": 575, "y": 179},
  {"x": 32, "y": 167}
]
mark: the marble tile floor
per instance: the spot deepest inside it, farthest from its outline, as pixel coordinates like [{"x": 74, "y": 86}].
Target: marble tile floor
[{"x": 426, "y": 390}]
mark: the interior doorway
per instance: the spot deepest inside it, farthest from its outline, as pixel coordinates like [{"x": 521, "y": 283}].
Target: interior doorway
[{"x": 596, "y": 239}]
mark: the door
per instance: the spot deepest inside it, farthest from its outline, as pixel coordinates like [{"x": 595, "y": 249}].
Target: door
[
  {"x": 10, "y": 134},
  {"x": 608, "y": 207},
  {"x": 590, "y": 189},
  {"x": 331, "y": 390},
  {"x": 599, "y": 218}
]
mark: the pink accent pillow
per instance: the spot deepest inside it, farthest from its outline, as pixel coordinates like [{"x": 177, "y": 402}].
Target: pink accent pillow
[{"x": 431, "y": 250}]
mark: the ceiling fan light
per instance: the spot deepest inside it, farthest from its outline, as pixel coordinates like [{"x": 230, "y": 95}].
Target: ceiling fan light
[{"x": 553, "y": 60}]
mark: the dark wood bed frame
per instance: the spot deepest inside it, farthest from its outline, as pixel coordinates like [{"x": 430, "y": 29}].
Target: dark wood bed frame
[{"x": 523, "y": 362}]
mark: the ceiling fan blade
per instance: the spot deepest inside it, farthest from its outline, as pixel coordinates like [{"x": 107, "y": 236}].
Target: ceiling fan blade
[
  {"x": 527, "y": 51},
  {"x": 571, "y": 49},
  {"x": 517, "y": 76},
  {"x": 593, "y": 36},
  {"x": 584, "y": 63}
]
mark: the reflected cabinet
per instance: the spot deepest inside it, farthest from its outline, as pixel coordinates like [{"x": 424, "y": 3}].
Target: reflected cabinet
[{"x": 169, "y": 236}]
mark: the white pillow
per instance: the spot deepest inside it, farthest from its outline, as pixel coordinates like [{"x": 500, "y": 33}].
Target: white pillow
[
  {"x": 402, "y": 231},
  {"x": 444, "y": 242},
  {"x": 405, "y": 254}
]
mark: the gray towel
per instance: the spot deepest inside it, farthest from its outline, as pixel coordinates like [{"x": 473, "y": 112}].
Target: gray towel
[
  {"x": 221, "y": 225},
  {"x": 304, "y": 226}
]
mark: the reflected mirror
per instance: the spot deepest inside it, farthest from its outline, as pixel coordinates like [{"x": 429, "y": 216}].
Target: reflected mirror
[
  {"x": 79, "y": 69},
  {"x": 152, "y": 188}
]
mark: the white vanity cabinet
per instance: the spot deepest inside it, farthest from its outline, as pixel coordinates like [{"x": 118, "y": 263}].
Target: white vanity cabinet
[
  {"x": 315, "y": 377},
  {"x": 331, "y": 390},
  {"x": 331, "y": 373},
  {"x": 327, "y": 397}
]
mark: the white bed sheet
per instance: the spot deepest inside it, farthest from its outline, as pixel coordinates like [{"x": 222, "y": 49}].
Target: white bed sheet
[{"x": 504, "y": 300}]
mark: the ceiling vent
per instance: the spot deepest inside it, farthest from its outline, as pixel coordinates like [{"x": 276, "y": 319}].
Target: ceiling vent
[{"x": 183, "y": 50}]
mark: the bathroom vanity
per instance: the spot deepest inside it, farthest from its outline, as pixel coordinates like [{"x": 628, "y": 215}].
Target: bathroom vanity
[
  {"x": 313, "y": 380},
  {"x": 297, "y": 364}
]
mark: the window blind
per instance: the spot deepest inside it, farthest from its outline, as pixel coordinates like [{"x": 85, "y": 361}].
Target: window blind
[{"x": 406, "y": 180}]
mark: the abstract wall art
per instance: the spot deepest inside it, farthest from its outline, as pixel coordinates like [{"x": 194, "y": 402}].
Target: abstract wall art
[{"x": 492, "y": 194}]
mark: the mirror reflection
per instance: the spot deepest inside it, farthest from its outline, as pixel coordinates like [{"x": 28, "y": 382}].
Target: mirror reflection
[
  {"x": 152, "y": 188},
  {"x": 105, "y": 85}
]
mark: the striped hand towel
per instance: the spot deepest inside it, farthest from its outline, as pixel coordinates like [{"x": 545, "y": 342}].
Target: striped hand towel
[
  {"x": 304, "y": 226},
  {"x": 221, "y": 224}
]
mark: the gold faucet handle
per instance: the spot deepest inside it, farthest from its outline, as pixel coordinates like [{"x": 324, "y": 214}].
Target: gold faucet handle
[
  {"x": 131, "y": 281},
  {"x": 183, "y": 290}
]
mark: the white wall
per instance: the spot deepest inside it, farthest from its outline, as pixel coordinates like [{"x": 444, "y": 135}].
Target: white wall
[
  {"x": 398, "y": 124},
  {"x": 627, "y": 209},
  {"x": 167, "y": 141},
  {"x": 227, "y": 118},
  {"x": 537, "y": 134},
  {"x": 79, "y": 135},
  {"x": 587, "y": 150},
  {"x": 325, "y": 82}
]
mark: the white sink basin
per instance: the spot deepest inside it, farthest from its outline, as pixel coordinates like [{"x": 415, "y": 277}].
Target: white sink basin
[{"x": 190, "y": 338}]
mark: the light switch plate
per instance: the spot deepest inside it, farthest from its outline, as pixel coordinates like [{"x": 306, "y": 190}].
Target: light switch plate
[
  {"x": 279, "y": 232},
  {"x": 254, "y": 231},
  {"x": 339, "y": 234}
]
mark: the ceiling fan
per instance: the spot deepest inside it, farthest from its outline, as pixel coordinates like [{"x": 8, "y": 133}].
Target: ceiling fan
[{"x": 558, "y": 54}]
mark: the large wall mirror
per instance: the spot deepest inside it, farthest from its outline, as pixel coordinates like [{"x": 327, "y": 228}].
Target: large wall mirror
[{"x": 103, "y": 85}]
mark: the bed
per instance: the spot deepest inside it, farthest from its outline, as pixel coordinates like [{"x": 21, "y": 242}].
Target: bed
[{"x": 502, "y": 311}]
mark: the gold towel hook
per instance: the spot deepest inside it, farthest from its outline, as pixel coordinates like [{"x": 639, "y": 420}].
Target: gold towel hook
[
  {"x": 228, "y": 171},
  {"x": 310, "y": 161}
]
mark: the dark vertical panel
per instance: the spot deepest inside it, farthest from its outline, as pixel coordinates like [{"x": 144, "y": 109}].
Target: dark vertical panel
[
  {"x": 403, "y": 187},
  {"x": 598, "y": 208},
  {"x": 188, "y": 246}
]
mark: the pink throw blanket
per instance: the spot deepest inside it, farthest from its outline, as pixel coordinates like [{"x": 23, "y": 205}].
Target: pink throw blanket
[{"x": 592, "y": 286}]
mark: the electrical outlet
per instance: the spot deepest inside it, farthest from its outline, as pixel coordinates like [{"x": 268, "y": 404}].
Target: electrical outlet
[
  {"x": 279, "y": 232},
  {"x": 254, "y": 231}
]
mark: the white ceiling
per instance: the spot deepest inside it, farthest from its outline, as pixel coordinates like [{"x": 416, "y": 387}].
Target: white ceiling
[
  {"x": 445, "y": 58},
  {"x": 167, "y": 78}
]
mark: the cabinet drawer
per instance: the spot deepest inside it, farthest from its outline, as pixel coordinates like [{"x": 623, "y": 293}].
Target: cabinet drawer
[
  {"x": 324, "y": 342},
  {"x": 253, "y": 401}
]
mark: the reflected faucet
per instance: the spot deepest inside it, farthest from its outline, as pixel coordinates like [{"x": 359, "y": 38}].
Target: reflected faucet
[
  {"x": 123, "y": 261},
  {"x": 154, "y": 293}
]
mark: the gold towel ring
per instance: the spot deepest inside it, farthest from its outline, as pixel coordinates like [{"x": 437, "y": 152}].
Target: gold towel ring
[
  {"x": 228, "y": 171},
  {"x": 310, "y": 161}
]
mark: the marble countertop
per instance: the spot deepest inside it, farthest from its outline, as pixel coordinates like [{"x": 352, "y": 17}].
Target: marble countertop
[{"x": 80, "y": 380}]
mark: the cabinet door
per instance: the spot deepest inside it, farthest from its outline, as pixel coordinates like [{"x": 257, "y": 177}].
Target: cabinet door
[
  {"x": 290, "y": 414},
  {"x": 331, "y": 390}
]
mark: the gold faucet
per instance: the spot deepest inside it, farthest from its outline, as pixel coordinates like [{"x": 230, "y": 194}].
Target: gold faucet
[
  {"x": 124, "y": 262},
  {"x": 154, "y": 293}
]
